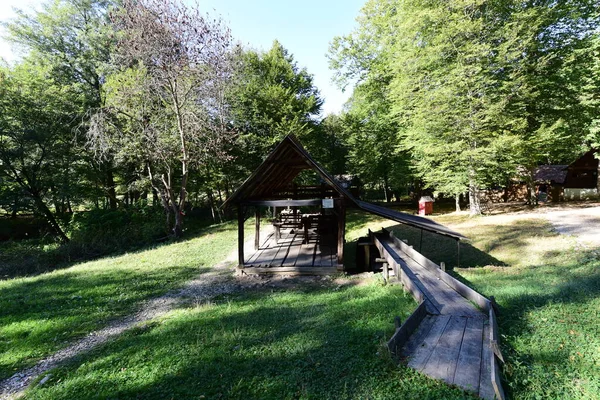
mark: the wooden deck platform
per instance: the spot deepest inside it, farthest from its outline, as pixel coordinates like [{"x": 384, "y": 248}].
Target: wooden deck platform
[
  {"x": 451, "y": 341},
  {"x": 290, "y": 255}
]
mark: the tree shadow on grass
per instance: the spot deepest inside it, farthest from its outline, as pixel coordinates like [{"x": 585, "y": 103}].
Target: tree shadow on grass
[
  {"x": 318, "y": 342},
  {"x": 31, "y": 258},
  {"x": 42, "y": 316},
  {"x": 440, "y": 248}
]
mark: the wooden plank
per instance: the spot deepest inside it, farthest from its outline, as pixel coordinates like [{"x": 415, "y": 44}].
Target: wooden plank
[
  {"x": 399, "y": 339},
  {"x": 283, "y": 251},
  {"x": 256, "y": 228},
  {"x": 291, "y": 270},
  {"x": 292, "y": 256},
  {"x": 416, "y": 338},
  {"x": 284, "y": 203},
  {"x": 455, "y": 284},
  {"x": 486, "y": 390},
  {"x": 306, "y": 255},
  {"x": 465, "y": 291},
  {"x": 325, "y": 256},
  {"x": 268, "y": 240},
  {"x": 341, "y": 231},
  {"x": 442, "y": 362},
  {"x": 496, "y": 380},
  {"x": 267, "y": 256},
  {"x": 318, "y": 251},
  {"x": 468, "y": 368},
  {"x": 446, "y": 299},
  {"x": 494, "y": 338},
  {"x": 410, "y": 282},
  {"x": 428, "y": 343}
]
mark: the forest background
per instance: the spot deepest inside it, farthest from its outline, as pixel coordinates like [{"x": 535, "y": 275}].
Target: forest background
[{"x": 128, "y": 122}]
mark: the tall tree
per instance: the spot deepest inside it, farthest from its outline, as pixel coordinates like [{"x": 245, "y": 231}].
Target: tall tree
[
  {"x": 74, "y": 39},
  {"x": 477, "y": 87},
  {"x": 165, "y": 99},
  {"x": 272, "y": 98},
  {"x": 543, "y": 63},
  {"x": 36, "y": 121}
]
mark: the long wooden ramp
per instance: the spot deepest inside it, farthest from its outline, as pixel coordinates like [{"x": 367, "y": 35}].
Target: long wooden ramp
[{"x": 447, "y": 337}]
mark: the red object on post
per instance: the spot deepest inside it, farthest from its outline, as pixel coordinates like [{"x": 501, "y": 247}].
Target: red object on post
[{"x": 425, "y": 205}]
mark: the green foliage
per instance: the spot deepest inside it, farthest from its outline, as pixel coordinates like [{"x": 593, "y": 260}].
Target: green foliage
[
  {"x": 73, "y": 38},
  {"x": 371, "y": 136},
  {"x": 475, "y": 89},
  {"x": 272, "y": 98},
  {"x": 93, "y": 234},
  {"x": 36, "y": 152}
]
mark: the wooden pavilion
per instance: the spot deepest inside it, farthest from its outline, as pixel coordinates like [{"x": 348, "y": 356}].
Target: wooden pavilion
[{"x": 309, "y": 222}]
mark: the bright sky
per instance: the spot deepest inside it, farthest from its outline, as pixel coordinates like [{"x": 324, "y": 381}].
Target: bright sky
[{"x": 304, "y": 28}]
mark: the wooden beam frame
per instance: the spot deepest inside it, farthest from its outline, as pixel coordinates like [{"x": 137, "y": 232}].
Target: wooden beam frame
[
  {"x": 341, "y": 231},
  {"x": 257, "y": 228},
  {"x": 283, "y": 203},
  {"x": 241, "y": 236}
]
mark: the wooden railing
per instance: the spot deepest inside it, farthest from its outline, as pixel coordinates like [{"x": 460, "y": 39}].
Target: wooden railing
[{"x": 403, "y": 274}]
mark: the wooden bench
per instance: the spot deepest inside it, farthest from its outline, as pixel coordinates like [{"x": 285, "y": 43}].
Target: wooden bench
[{"x": 287, "y": 220}]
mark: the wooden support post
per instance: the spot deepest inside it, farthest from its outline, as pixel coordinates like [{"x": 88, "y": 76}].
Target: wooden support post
[
  {"x": 443, "y": 266},
  {"x": 257, "y": 228},
  {"x": 241, "y": 236},
  {"x": 397, "y": 322},
  {"x": 386, "y": 272},
  {"x": 341, "y": 231},
  {"x": 368, "y": 258}
]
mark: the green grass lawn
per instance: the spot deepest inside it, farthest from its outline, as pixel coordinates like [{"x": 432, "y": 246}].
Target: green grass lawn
[
  {"x": 41, "y": 314},
  {"x": 549, "y": 293},
  {"x": 315, "y": 341}
]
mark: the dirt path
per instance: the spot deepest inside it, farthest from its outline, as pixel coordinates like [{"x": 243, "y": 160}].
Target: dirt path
[
  {"x": 582, "y": 223},
  {"x": 575, "y": 219}
]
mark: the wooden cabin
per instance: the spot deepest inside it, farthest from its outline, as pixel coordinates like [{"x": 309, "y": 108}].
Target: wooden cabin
[
  {"x": 581, "y": 181},
  {"x": 308, "y": 222}
]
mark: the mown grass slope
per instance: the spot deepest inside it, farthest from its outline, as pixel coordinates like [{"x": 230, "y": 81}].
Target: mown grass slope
[
  {"x": 43, "y": 313},
  {"x": 325, "y": 340}
]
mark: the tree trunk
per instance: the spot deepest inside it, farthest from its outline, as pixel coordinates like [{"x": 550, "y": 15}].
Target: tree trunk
[
  {"x": 386, "y": 189},
  {"x": 211, "y": 203},
  {"x": 474, "y": 199},
  {"x": 178, "y": 228},
  {"x": 597, "y": 179},
  {"x": 531, "y": 195},
  {"x": 155, "y": 199},
  {"x": 110, "y": 189},
  {"x": 457, "y": 201},
  {"x": 50, "y": 218}
]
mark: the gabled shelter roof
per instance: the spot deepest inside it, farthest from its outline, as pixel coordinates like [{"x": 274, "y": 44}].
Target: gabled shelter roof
[
  {"x": 288, "y": 159},
  {"x": 278, "y": 171}
]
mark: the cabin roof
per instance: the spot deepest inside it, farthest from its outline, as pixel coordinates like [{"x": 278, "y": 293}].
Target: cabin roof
[
  {"x": 288, "y": 159},
  {"x": 551, "y": 173}
]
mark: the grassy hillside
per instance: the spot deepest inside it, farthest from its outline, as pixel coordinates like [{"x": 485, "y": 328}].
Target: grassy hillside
[
  {"x": 318, "y": 340},
  {"x": 41, "y": 314}
]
